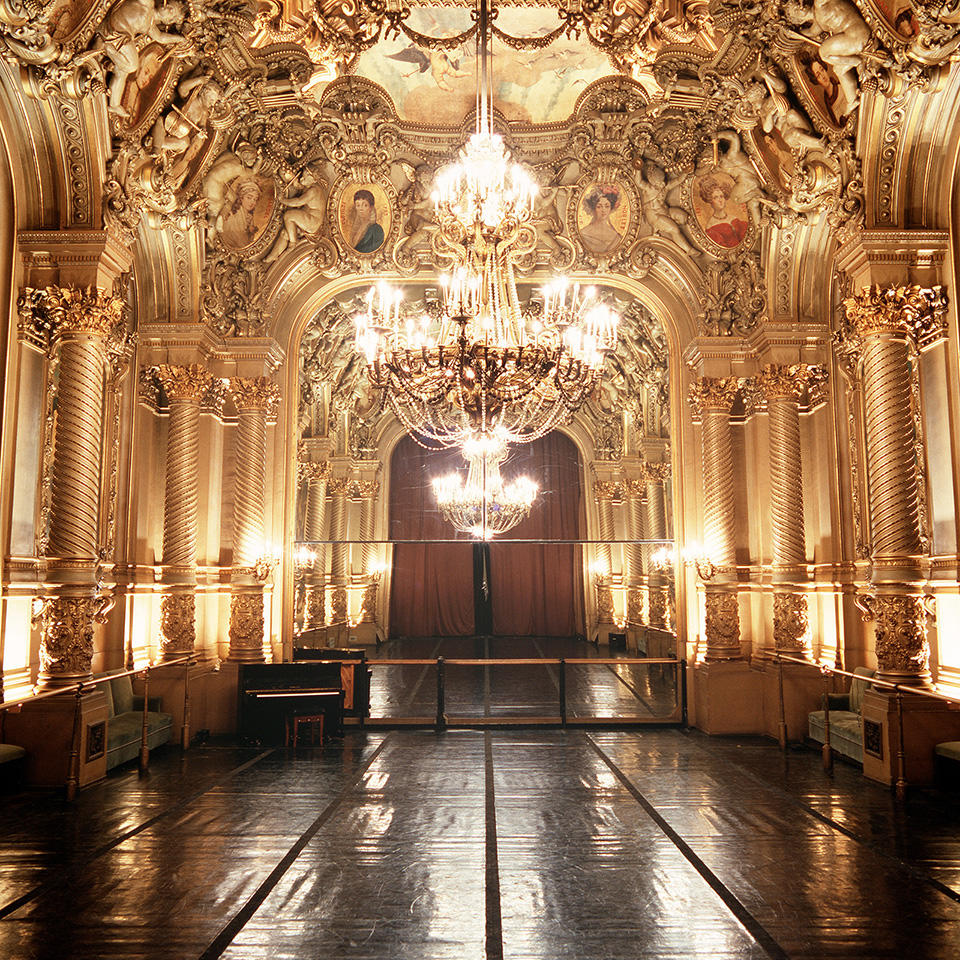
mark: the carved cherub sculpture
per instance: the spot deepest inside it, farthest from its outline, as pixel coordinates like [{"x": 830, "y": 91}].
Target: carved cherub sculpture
[
  {"x": 846, "y": 41},
  {"x": 663, "y": 219},
  {"x": 303, "y": 212}
]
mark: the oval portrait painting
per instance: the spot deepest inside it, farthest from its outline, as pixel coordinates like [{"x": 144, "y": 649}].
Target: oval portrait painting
[
  {"x": 725, "y": 221},
  {"x": 364, "y": 216},
  {"x": 603, "y": 218},
  {"x": 248, "y": 205},
  {"x": 823, "y": 86}
]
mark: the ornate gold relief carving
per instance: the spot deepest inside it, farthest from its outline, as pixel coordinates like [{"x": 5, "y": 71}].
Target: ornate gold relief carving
[
  {"x": 714, "y": 393},
  {"x": 368, "y": 611},
  {"x": 791, "y": 622},
  {"x": 188, "y": 383},
  {"x": 48, "y": 313},
  {"x": 66, "y": 645},
  {"x": 255, "y": 393},
  {"x": 177, "y": 629},
  {"x": 918, "y": 313},
  {"x": 605, "y": 611},
  {"x": 246, "y": 626},
  {"x": 722, "y": 625},
  {"x": 901, "y": 634},
  {"x": 338, "y": 605}
]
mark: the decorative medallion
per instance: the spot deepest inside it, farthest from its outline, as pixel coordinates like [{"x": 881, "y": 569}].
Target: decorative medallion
[{"x": 719, "y": 211}]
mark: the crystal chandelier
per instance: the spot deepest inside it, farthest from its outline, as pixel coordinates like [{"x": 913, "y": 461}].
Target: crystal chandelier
[
  {"x": 482, "y": 362},
  {"x": 484, "y": 505}
]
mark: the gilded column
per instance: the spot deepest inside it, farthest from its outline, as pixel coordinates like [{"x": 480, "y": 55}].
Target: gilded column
[
  {"x": 884, "y": 326},
  {"x": 713, "y": 397},
  {"x": 184, "y": 387},
  {"x": 338, "y": 488},
  {"x": 782, "y": 388},
  {"x": 655, "y": 522},
  {"x": 635, "y": 489},
  {"x": 315, "y": 529},
  {"x": 255, "y": 397},
  {"x": 367, "y": 491},
  {"x": 77, "y": 325}
]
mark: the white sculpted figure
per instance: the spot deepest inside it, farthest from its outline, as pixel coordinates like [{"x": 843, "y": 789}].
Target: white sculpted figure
[
  {"x": 303, "y": 212},
  {"x": 847, "y": 37},
  {"x": 660, "y": 217},
  {"x": 119, "y": 33},
  {"x": 748, "y": 186}
]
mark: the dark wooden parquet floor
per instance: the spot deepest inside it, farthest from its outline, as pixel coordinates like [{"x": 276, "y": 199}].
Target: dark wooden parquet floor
[{"x": 548, "y": 844}]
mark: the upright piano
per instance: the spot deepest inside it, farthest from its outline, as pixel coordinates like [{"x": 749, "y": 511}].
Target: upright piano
[{"x": 271, "y": 693}]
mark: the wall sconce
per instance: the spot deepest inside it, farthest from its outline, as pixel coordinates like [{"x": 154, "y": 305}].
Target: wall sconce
[
  {"x": 695, "y": 555},
  {"x": 304, "y": 557},
  {"x": 263, "y": 567},
  {"x": 662, "y": 560}
]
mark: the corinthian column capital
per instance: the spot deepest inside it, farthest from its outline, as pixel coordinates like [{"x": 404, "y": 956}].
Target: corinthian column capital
[
  {"x": 792, "y": 382},
  {"x": 312, "y": 470},
  {"x": 255, "y": 393},
  {"x": 654, "y": 472},
  {"x": 913, "y": 312},
  {"x": 189, "y": 382},
  {"x": 714, "y": 393},
  {"x": 606, "y": 490},
  {"x": 57, "y": 311}
]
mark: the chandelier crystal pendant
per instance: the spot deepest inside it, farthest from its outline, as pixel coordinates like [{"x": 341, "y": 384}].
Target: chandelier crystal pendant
[
  {"x": 483, "y": 363},
  {"x": 484, "y": 504}
]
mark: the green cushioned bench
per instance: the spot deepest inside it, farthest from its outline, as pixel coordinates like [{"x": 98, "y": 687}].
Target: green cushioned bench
[
  {"x": 125, "y": 722},
  {"x": 12, "y": 763},
  {"x": 846, "y": 727}
]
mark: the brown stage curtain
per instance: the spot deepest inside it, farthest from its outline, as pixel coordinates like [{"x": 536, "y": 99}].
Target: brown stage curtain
[
  {"x": 537, "y": 589},
  {"x": 431, "y": 593}
]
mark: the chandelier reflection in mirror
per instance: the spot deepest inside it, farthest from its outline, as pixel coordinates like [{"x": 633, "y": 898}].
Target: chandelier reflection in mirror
[
  {"x": 484, "y": 504},
  {"x": 482, "y": 363}
]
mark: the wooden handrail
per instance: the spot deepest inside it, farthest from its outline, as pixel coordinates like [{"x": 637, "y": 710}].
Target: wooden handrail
[
  {"x": 520, "y": 661},
  {"x": 82, "y": 684},
  {"x": 827, "y": 670}
]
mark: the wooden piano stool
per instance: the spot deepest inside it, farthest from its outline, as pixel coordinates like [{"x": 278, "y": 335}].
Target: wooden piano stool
[{"x": 294, "y": 723}]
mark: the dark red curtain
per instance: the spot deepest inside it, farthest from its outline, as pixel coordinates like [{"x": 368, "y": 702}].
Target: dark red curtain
[
  {"x": 537, "y": 588},
  {"x": 431, "y": 593}
]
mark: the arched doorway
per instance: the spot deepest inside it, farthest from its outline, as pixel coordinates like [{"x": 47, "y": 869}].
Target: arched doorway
[{"x": 529, "y": 582}]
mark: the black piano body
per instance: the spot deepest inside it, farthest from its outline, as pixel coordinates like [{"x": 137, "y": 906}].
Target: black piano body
[
  {"x": 355, "y": 671},
  {"x": 271, "y": 693}
]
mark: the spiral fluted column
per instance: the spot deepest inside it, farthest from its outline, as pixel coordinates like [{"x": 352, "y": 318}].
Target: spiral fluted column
[
  {"x": 655, "y": 523},
  {"x": 255, "y": 398},
  {"x": 184, "y": 387},
  {"x": 367, "y": 491},
  {"x": 604, "y": 491},
  {"x": 713, "y": 397},
  {"x": 883, "y": 327},
  {"x": 783, "y": 387},
  {"x": 636, "y": 530},
  {"x": 338, "y": 488},
  {"x": 77, "y": 324},
  {"x": 315, "y": 529}
]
